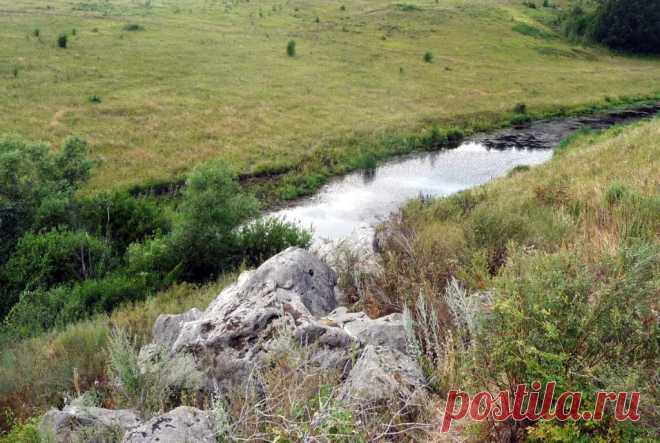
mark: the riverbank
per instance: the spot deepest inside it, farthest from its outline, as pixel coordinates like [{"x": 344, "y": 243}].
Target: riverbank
[{"x": 280, "y": 186}]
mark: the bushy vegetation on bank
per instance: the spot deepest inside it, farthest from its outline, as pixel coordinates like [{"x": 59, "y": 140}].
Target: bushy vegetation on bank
[
  {"x": 630, "y": 25},
  {"x": 64, "y": 257},
  {"x": 550, "y": 274}
]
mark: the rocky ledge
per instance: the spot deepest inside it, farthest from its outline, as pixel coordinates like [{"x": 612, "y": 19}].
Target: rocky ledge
[{"x": 294, "y": 294}]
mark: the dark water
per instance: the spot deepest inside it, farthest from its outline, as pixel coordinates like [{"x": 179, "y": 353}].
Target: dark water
[{"x": 364, "y": 198}]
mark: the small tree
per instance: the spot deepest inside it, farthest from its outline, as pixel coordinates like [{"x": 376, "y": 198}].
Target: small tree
[
  {"x": 428, "y": 57},
  {"x": 291, "y": 48},
  {"x": 62, "y": 41}
]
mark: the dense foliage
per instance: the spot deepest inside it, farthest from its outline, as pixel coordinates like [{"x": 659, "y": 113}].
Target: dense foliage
[
  {"x": 631, "y": 25},
  {"x": 64, "y": 257}
]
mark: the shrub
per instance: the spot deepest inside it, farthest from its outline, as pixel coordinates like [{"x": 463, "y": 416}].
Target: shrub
[
  {"x": 23, "y": 432},
  {"x": 123, "y": 219},
  {"x": 491, "y": 229},
  {"x": 518, "y": 169},
  {"x": 132, "y": 27},
  {"x": 44, "y": 260},
  {"x": 428, "y": 57},
  {"x": 212, "y": 207},
  {"x": 264, "y": 238},
  {"x": 291, "y": 48},
  {"x": 615, "y": 193},
  {"x": 407, "y": 7},
  {"x": 62, "y": 41},
  {"x": 155, "y": 389},
  {"x": 520, "y": 108},
  {"x": 101, "y": 296},
  {"x": 531, "y": 31},
  {"x": 520, "y": 120},
  {"x": 366, "y": 161},
  {"x": 94, "y": 99},
  {"x": 632, "y": 25},
  {"x": 454, "y": 136},
  {"x": 529, "y": 4},
  {"x": 36, "y": 32},
  {"x": 583, "y": 325}
]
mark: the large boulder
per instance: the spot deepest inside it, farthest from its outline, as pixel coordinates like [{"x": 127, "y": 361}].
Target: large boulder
[
  {"x": 386, "y": 331},
  {"x": 88, "y": 424},
  {"x": 183, "y": 424},
  {"x": 293, "y": 295},
  {"x": 356, "y": 253},
  {"x": 383, "y": 375},
  {"x": 229, "y": 339}
]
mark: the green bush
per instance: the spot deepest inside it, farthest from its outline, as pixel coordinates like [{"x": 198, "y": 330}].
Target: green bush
[
  {"x": 204, "y": 233},
  {"x": 42, "y": 310},
  {"x": 44, "y": 260},
  {"x": 632, "y": 25},
  {"x": 428, "y": 56},
  {"x": 491, "y": 229},
  {"x": 291, "y": 48},
  {"x": 132, "y": 27},
  {"x": 518, "y": 169},
  {"x": 23, "y": 432},
  {"x": 520, "y": 120},
  {"x": 520, "y": 108},
  {"x": 31, "y": 175},
  {"x": 435, "y": 139},
  {"x": 122, "y": 219},
  {"x": 587, "y": 326},
  {"x": 454, "y": 136},
  {"x": 62, "y": 41},
  {"x": 264, "y": 238}
]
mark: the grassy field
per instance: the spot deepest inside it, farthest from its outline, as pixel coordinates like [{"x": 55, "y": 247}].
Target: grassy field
[{"x": 202, "y": 79}]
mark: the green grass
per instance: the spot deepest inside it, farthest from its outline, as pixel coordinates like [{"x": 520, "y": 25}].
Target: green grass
[
  {"x": 36, "y": 373},
  {"x": 212, "y": 79}
]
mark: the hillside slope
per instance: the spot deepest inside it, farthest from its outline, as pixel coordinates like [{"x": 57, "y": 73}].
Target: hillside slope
[{"x": 159, "y": 86}]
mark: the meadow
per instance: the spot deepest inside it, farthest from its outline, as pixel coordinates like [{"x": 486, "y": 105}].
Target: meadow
[{"x": 158, "y": 86}]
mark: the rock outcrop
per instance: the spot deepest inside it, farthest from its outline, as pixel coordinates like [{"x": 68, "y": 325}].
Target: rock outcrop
[
  {"x": 183, "y": 424},
  {"x": 358, "y": 252},
  {"x": 383, "y": 375},
  {"x": 88, "y": 424},
  {"x": 294, "y": 294}
]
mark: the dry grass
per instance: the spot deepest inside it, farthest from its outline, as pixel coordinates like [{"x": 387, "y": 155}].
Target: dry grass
[
  {"x": 212, "y": 79},
  {"x": 39, "y": 372}
]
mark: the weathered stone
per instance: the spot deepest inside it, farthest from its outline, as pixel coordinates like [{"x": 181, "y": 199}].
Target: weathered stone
[
  {"x": 181, "y": 425},
  {"x": 88, "y": 424},
  {"x": 355, "y": 253},
  {"x": 167, "y": 326},
  {"x": 385, "y": 331},
  {"x": 228, "y": 339},
  {"x": 382, "y": 375}
]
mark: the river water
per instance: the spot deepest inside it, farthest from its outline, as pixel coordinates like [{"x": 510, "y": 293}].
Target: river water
[{"x": 365, "y": 198}]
